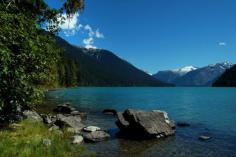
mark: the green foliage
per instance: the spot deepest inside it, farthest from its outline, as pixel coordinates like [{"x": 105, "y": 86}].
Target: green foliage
[
  {"x": 27, "y": 140},
  {"x": 28, "y": 55}
]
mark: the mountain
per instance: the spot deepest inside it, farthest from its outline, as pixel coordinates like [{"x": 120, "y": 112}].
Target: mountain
[
  {"x": 171, "y": 75},
  {"x": 98, "y": 67},
  {"x": 204, "y": 76},
  {"x": 227, "y": 79},
  {"x": 192, "y": 76}
]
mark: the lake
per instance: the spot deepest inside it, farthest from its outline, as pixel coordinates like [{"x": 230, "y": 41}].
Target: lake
[{"x": 210, "y": 111}]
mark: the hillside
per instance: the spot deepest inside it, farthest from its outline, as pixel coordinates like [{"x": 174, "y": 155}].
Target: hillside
[
  {"x": 97, "y": 67},
  {"x": 227, "y": 79}
]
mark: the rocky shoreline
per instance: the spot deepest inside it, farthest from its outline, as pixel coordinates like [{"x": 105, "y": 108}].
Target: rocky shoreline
[
  {"x": 132, "y": 124},
  {"x": 139, "y": 124}
]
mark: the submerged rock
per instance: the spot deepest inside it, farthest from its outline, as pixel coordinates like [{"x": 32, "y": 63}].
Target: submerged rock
[
  {"x": 96, "y": 136},
  {"x": 204, "y": 138},
  {"x": 145, "y": 124},
  {"x": 182, "y": 124},
  {"x": 32, "y": 115},
  {"x": 109, "y": 112}
]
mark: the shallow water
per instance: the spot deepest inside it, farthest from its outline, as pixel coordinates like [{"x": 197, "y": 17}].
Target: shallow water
[{"x": 210, "y": 111}]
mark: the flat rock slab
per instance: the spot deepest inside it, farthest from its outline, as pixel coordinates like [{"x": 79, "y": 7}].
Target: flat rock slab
[
  {"x": 146, "y": 123},
  {"x": 96, "y": 136},
  {"x": 91, "y": 128}
]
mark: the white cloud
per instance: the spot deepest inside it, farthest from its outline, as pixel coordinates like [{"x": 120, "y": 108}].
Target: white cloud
[
  {"x": 222, "y": 43},
  {"x": 92, "y": 35},
  {"x": 89, "y": 29},
  {"x": 89, "y": 43},
  {"x": 98, "y": 34},
  {"x": 71, "y": 26}
]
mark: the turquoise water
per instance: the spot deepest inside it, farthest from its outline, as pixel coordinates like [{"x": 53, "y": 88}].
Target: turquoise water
[{"x": 210, "y": 111}]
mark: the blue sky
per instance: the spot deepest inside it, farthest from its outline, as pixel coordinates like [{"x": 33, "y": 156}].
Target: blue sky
[{"x": 157, "y": 34}]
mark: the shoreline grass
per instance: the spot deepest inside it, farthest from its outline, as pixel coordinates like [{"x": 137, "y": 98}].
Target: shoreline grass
[{"x": 30, "y": 138}]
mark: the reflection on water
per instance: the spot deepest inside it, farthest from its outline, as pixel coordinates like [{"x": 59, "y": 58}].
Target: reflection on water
[{"x": 210, "y": 111}]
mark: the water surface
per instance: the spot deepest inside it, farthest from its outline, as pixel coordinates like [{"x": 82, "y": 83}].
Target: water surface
[{"x": 210, "y": 111}]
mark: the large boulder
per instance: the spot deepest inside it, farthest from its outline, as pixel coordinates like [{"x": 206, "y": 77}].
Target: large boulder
[
  {"x": 122, "y": 123},
  {"x": 69, "y": 121},
  {"x": 145, "y": 124},
  {"x": 32, "y": 115},
  {"x": 96, "y": 136}
]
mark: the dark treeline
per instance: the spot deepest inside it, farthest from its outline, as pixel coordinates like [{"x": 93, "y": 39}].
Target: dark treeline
[{"x": 227, "y": 79}]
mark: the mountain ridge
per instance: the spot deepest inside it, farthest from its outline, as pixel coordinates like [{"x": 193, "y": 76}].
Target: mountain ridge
[
  {"x": 99, "y": 67},
  {"x": 203, "y": 76}
]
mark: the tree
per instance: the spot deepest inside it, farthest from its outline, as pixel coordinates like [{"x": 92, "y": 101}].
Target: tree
[{"x": 27, "y": 52}]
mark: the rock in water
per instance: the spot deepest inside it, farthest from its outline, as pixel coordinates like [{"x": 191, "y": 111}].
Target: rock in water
[
  {"x": 204, "y": 138},
  {"x": 145, "y": 124},
  {"x": 109, "y": 112},
  {"x": 122, "y": 123},
  {"x": 64, "y": 109},
  {"x": 32, "y": 115},
  {"x": 91, "y": 128},
  {"x": 183, "y": 124},
  {"x": 96, "y": 136}
]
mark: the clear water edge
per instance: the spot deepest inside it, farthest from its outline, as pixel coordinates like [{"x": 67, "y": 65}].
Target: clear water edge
[{"x": 210, "y": 111}]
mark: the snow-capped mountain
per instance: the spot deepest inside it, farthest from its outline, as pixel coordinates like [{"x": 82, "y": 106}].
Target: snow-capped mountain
[
  {"x": 184, "y": 70},
  {"x": 171, "y": 75},
  {"x": 192, "y": 76}
]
